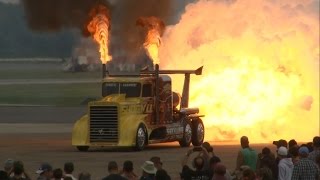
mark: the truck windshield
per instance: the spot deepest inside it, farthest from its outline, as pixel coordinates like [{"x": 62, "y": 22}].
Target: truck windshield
[{"x": 130, "y": 89}]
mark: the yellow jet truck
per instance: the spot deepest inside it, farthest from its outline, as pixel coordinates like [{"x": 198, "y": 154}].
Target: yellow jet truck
[{"x": 137, "y": 110}]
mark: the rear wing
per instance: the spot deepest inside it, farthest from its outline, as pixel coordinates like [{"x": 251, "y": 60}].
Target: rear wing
[{"x": 146, "y": 72}]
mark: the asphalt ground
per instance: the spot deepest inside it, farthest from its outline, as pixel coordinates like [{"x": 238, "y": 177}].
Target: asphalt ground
[{"x": 43, "y": 134}]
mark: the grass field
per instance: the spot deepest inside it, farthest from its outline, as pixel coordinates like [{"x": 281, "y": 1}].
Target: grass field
[
  {"x": 46, "y": 94},
  {"x": 41, "y": 71},
  {"x": 49, "y": 94}
]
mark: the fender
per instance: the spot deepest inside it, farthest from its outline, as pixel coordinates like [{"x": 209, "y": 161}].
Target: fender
[
  {"x": 80, "y": 132},
  {"x": 128, "y": 128}
]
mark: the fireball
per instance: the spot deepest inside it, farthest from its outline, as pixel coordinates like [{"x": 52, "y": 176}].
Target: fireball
[{"x": 261, "y": 67}]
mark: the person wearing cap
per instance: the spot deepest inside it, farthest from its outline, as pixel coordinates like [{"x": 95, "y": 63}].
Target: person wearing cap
[
  {"x": 246, "y": 156},
  {"x": 148, "y": 171},
  {"x": 113, "y": 172},
  {"x": 285, "y": 166},
  {"x": 45, "y": 172},
  {"x": 305, "y": 169},
  {"x": 157, "y": 162},
  {"x": 68, "y": 170},
  {"x": 316, "y": 149},
  {"x": 127, "y": 171},
  {"x": 8, "y": 166}
]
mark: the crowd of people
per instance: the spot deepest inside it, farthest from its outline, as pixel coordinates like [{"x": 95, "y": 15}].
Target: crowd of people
[{"x": 290, "y": 162}]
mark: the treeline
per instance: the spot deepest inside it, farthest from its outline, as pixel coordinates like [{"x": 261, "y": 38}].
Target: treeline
[{"x": 17, "y": 40}]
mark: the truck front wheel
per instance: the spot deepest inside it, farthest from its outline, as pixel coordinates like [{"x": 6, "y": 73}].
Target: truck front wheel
[
  {"x": 197, "y": 132},
  {"x": 83, "y": 148},
  {"x": 187, "y": 135},
  {"x": 141, "y": 137}
]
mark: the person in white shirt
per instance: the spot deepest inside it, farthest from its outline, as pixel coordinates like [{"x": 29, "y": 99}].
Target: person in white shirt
[{"x": 285, "y": 166}]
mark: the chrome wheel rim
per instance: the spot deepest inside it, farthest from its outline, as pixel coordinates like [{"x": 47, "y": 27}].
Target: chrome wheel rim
[
  {"x": 200, "y": 132},
  {"x": 188, "y": 133},
  {"x": 141, "y": 137}
]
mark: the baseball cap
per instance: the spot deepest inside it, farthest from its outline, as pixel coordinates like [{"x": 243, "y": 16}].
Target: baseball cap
[
  {"x": 283, "y": 151},
  {"x": 303, "y": 150},
  {"x": 44, "y": 167}
]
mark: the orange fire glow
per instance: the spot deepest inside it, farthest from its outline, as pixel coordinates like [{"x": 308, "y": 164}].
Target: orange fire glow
[
  {"x": 99, "y": 28},
  {"x": 261, "y": 67},
  {"x": 155, "y": 28}
]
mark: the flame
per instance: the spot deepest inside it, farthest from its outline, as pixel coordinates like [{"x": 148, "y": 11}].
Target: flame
[
  {"x": 261, "y": 67},
  {"x": 155, "y": 28},
  {"x": 99, "y": 29}
]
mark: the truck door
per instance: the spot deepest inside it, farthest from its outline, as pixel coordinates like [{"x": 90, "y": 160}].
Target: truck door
[{"x": 148, "y": 100}]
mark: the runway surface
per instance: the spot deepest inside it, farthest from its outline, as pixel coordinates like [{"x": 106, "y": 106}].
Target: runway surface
[{"x": 35, "y": 135}]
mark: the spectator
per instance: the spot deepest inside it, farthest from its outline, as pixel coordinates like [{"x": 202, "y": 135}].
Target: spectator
[
  {"x": 157, "y": 162},
  {"x": 213, "y": 162},
  {"x": 266, "y": 166},
  {"x": 310, "y": 146},
  {"x": 84, "y": 176},
  {"x": 305, "y": 169},
  {"x": 209, "y": 148},
  {"x": 280, "y": 143},
  {"x": 4, "y": 175},
  {"x": 113, "y": 172},
  {"x": 318, "y": 161},
  {"x": 285, "y": 164},
  {"x": 206, "y": 156},
  {"x": 267, "y": 163},
  {"x": 219, "y": 172},
  {"x": 316, "y": 149},
  {"x": 198, "y": 163},
  {"x": 246, "y": 156},
  {"x": 264, "y": 174},
  {"x": 8, "y": 166},
  {"x": 57, "y": 174},
  {"x": 18, "y": 172},
  {"x": 148, "y": 171},
  {"x": 127, "y": 171},
  {"x": 45, "y": 172},
  {"x": 67, "y": 178},
  {"x": 68, "y": 170},
  {"x": 248, "y": 174},
  {"x": 162, "y": 175},
  {"x": 294, "y": 154},
  {"x": 292, "y": 143}
]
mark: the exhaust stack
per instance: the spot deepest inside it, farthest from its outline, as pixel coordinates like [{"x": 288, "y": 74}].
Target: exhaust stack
[{"x": 104, "y": 70}]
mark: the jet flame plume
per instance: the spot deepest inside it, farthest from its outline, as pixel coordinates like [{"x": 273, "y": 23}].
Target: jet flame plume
[
  {"x": 155, "y": 28},
  {"x": 99, "y": 28}
]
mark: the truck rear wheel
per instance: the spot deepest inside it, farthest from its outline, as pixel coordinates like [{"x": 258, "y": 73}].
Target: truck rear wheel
[
  {"x": 197, "y": 132},
  {"x": 83, "y": 148},
  {"x": 141, "y": 138},
  {"x": 187, "y": 135}
]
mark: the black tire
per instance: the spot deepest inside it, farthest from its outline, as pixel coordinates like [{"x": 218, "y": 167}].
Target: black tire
[
  {"x": 187, "y": 135},
  {"x": 197, "y": 132},
  {"x": 83, "y": 148},
  {"x": 141, "y": 138}
]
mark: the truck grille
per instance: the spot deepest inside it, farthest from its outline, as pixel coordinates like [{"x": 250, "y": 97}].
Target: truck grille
[{"x": 103, "y": 124}]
